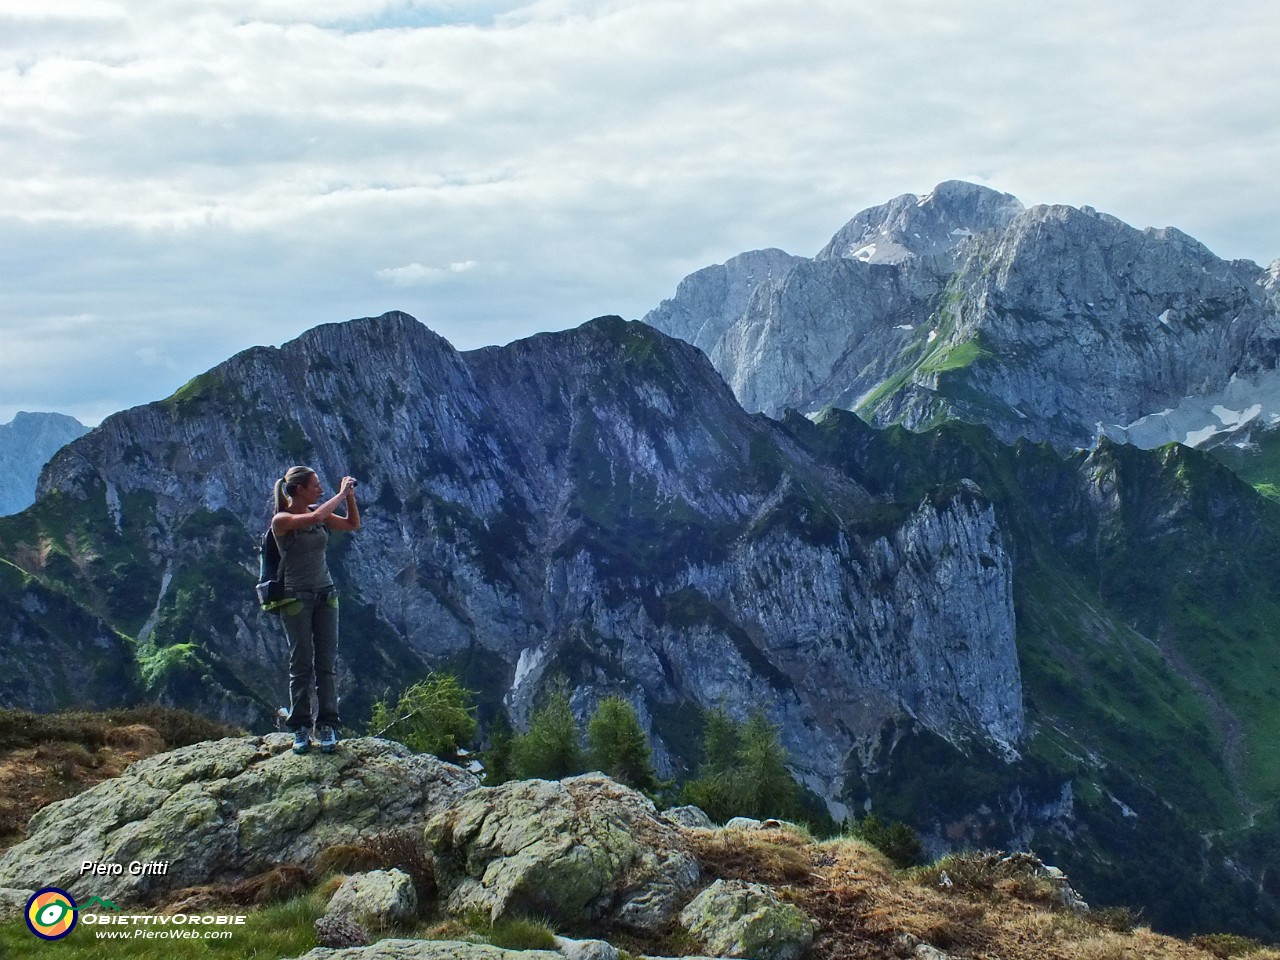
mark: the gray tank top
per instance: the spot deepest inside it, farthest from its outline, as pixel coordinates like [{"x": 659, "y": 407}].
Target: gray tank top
[{"x": 305, "y": 566}]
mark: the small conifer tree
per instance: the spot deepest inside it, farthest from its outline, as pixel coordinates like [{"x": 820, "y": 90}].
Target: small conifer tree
[
  {"x": 764, "y": 785},
  {"x": 619, "y": 746},
  {"x": 551, "y": 749},
  {"x": 743, "y": 772},
  {"x": 497, "y": 758},
  {"x": 721, "y": 741}
]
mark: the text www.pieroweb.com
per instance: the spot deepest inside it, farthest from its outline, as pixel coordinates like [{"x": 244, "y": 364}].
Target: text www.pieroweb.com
[{"x": 176, "y": 927}]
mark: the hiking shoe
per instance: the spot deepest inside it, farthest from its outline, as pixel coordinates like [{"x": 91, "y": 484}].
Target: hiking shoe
[
  {"x": 301, "y": 740},
  {"x": 328, "y": 738}
]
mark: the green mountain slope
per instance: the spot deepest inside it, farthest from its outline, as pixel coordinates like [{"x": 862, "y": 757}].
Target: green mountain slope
[{"x": 1147, "y": 627}]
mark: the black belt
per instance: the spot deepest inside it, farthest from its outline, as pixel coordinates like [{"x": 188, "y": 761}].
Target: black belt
[{"x": 324, "y": 593}]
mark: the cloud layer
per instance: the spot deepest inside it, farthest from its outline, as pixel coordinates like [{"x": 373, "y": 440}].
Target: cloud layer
[{"x": 187, "y": 179}]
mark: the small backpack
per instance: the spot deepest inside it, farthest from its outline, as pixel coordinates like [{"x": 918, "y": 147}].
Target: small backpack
[{"x": 270, "y": 588}]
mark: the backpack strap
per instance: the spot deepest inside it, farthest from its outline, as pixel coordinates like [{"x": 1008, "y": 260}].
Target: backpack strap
[{"x": 284, "y": 550}]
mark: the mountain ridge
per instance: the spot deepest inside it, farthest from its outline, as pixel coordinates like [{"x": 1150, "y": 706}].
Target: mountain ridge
[
  {"x": 594, "y": 500},
  {"x": 1050, "y": 322}
]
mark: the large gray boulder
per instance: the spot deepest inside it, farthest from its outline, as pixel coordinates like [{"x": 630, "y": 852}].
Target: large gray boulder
[
  {"x": 690, "y": 817},
  {"x": 732, "y": 918},
  {"x": 218, "y": 812},
  {"x": 577, "y": 850},
  {"x": 586, "y": 949}
]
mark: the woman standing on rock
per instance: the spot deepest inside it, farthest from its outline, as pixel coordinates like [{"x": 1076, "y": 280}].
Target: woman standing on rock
[{"x": 310, "y": 613}]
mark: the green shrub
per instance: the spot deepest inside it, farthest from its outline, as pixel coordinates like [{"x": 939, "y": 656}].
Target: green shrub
[
  {"x": 434, "y": 715},
  {"x": 1115, "y": 919},
  {"x": 521, "y": 933},
  {"x": 894, "y": 839},
  {"x": 619, "y": 746}
]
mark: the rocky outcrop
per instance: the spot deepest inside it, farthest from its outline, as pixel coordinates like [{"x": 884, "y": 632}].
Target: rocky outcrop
[
  {"x": 732, "y": 918},
  {"x": 1049, "y": 323},
  {"x": 12, "y": 903},
  {"x": 586, "y": 949},
  {"x": 339, "y": 931},
  {"x": 580, "y": 850},
  {"x": 222, "y": 811},
  {"x": 688, "y": 816},
  {"x": 585, "y": 854},
  {"x": 26, "y": 444}
]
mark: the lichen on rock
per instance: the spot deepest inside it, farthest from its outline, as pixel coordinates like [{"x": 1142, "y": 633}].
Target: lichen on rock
[
  {"x": 733, "y": 918},
  {"x": 218, "y": 812},
  {"x": 581, "y": 849}
]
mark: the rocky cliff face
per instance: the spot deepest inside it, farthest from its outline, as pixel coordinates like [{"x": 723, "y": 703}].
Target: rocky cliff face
[
  {"x": 1051, "y": 323},
  {"x": 26, "y": 444},
  {"x": 593, "y": 505}
]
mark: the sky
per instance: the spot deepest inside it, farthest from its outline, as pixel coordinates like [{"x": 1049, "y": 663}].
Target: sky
[{"x": 184, "y": 179}]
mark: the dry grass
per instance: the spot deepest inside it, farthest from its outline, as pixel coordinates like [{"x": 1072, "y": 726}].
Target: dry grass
[
  {"x": 866, "y": 909},
  {"x": 34, "y": 777},
  {"x": 50, "y": 757},
  {"x": 277, "y": 885}
]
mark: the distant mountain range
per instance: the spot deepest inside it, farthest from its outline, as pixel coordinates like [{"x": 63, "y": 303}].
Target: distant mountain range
[
  {"x": 1050, "y": 323},
  {"x": 26, "y": 444},
  {"x": 998, "y": 627}
]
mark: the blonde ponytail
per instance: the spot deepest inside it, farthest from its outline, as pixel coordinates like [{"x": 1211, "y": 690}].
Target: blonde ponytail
[{"x": 285, "y": 486}]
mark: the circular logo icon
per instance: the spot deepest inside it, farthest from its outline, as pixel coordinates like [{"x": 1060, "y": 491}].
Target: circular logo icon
[{"x": 51, "y": 913}]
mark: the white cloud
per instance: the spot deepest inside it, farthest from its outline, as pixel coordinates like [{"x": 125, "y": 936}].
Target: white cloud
[
  {"x": 213, "y": 173},
  {"x": 417, "y": 275}
]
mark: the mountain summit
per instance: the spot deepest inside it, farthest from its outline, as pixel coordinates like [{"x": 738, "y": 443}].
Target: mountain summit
[
  {"x": 911, "y": 227},
  {"x": 1051, "y": 323},
  {"x": 26, "y": 444}
]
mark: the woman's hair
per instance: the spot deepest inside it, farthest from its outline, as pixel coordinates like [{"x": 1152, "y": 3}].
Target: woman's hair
[{"x": 293, "y": 478}]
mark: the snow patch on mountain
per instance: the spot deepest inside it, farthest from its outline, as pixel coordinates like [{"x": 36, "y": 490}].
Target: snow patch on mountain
[{"x": 1225, "y": 416}]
